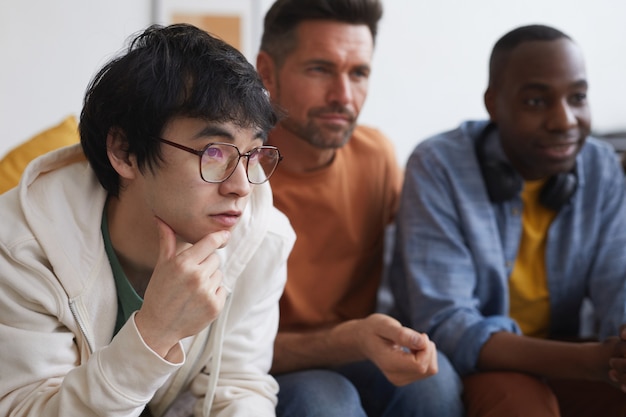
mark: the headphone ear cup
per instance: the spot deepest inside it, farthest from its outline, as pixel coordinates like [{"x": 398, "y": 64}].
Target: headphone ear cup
[
  {"x": 501, "y": 180},
  {"x": 558, "y": 190}
]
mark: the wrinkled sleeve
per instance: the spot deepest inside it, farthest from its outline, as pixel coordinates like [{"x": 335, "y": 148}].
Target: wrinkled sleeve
[
  {"x": 607, "y": 283},
  {"x": 433, "y": 275},
  {"x": 44, "y": 372}
]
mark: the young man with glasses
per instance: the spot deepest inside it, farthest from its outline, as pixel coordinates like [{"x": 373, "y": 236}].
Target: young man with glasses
[
  {"x": 339, "y": 186},
  {"x": 141, "y": 271}
]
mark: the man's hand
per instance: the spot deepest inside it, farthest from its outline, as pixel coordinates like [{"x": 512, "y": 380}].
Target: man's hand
[
  {"x": 617, "y": 363},
  {"x": 401, "y": 353},
  {"x": 184, "y": 294}
]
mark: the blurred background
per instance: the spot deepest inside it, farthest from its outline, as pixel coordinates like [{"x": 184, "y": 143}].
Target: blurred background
[{"x": 429, "y": 69}]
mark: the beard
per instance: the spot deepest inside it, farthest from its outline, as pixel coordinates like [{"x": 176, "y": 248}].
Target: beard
[{"x": 320, "y": 135}]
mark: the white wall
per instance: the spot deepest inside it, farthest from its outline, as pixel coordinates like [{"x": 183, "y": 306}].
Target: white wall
[
  {"x": 430, "y": 64},
  {"x": 430, "y": 68},
  {"x": 49, "y": 51}
]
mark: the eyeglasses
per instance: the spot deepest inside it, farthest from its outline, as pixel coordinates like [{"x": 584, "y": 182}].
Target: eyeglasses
[{"x": 219, "y": 160}]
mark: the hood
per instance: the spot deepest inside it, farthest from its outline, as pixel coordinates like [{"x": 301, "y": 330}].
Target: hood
[{"x": 54, "y": 207}]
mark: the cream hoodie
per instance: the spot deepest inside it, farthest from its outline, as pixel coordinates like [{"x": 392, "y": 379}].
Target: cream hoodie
[{"x": 58, "y": 308}]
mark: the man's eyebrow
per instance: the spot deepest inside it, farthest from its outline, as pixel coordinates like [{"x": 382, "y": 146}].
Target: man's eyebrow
[
  {"x": 211, "y": 131},
  {"x": 535, "y": 86},
  {"x": 545, "y": 87},
  {"x": 580, "y": 84},
  {"x": 319, "y": 61},
  {"x": 261, "y": 134},
  {"x": 327, "y": 63}
]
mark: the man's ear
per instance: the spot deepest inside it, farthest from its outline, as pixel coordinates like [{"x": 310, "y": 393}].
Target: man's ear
[
  {"x": 117, "y": 151},
  {"x": 266, "y": 67},
  {"x": 489, "y": 99}
]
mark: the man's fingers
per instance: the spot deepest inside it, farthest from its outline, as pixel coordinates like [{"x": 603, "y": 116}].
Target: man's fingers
[
  {"x": 414, "y": 340},
  {"x": 206, "y": 246},
  {"x": 408, "y": 338},
  {"x": 168, "y": 243},
  {"x": 392, "y": 330}
]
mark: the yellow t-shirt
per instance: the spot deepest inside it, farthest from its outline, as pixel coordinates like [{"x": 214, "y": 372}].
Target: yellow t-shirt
[
  {"x": 339, "y": 214},
  {"x": 528, "y": 285}
]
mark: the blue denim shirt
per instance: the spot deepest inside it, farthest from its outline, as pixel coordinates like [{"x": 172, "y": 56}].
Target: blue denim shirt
[{"x": 455, "y": 249}]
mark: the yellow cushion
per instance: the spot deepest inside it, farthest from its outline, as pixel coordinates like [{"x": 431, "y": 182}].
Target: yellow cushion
[{"x": 14, "y": 162}]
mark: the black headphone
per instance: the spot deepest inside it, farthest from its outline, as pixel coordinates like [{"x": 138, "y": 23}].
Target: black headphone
[{"x": 504, "y": 183}]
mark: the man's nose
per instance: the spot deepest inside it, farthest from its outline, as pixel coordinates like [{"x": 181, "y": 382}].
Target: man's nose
[
  {"x": 340, "y": 90},
  {"x": 562, "y": 116}
]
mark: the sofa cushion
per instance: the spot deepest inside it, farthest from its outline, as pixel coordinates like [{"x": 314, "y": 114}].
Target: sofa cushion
[{"x": 15, "y": 161}]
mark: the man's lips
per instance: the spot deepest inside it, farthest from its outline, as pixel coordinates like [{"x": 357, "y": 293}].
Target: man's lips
[
  {"x": 228, "y": 218},
  {"x": 560, "y": 150},
  {"x": 335, "y": 118},
  {"x": 334, "y": 114}
]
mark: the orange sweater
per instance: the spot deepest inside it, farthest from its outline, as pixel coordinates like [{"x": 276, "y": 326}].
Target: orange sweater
[{"x": 339, "y": 214}]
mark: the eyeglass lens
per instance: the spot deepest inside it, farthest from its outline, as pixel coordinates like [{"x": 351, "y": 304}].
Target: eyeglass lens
[{"x": 219, "y": 161}]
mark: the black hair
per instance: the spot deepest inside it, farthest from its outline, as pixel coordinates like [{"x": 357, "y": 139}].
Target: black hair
[
  {"x": 511, "y": 40},
  {"x": 282, "y": 19},
  {"x": 168, "y": 71}
]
